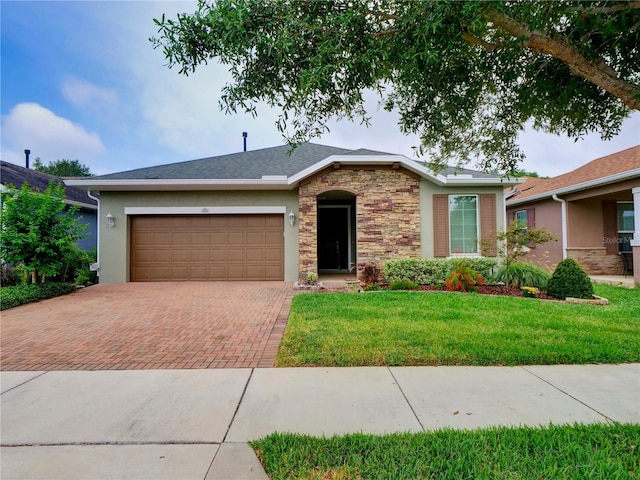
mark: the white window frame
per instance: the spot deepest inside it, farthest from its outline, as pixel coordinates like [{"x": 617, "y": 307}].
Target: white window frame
[
  {"x": 477, "y": 253},
  {"x": 618, "y": 225},
  {"x": 524, "y": 224}
]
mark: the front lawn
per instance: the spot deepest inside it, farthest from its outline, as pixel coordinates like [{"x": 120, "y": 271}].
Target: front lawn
[
  {"x": 440, "y": 328},
  {"x": 560, "y": 452}
]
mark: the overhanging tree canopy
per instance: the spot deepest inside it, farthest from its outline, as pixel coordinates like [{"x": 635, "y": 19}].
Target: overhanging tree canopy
[{"x": 465, "y": 75}]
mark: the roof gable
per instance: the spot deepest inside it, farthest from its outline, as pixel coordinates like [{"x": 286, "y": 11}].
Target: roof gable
[{"x": 619, "y": 165}]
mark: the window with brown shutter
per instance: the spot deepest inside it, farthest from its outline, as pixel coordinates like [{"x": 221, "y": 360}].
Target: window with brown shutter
[
  {"x": 441, "y": 225},
  {"x": 488, "y": 224}
]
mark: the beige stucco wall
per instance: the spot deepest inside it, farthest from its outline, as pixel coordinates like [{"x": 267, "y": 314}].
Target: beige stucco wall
[
  {"x": 428, "y": 189},
  {"x": 114, "y": 242}
]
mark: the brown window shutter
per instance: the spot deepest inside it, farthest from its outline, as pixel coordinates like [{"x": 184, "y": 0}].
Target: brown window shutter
[
  {"x": 441, "y": 225},
  {"x": 610, "y": 226},
  {"x": 531, "y": 217},
  {"x": 511, "y": 216},
  {"x": 488, "y": 224}
]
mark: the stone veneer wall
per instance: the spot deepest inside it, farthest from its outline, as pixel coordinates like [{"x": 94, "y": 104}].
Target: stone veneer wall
[
  {"x": 387, "y": 213},
  {"x": 595, "y": 261}
]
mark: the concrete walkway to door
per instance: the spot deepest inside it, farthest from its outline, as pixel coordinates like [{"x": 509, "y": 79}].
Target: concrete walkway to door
[{"x": 149, "y": 326}]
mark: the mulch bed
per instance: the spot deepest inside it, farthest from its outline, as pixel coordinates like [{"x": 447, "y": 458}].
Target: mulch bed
[{"x": 491, "y": 290}]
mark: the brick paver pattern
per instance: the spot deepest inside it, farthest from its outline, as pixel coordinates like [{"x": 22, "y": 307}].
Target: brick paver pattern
[{"x": 149, "y": 326}]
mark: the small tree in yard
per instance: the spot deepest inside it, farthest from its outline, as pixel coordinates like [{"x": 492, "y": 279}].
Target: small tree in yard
[
  {"x": 36, "y": 230},
  {"x": 516, "y": 241}
]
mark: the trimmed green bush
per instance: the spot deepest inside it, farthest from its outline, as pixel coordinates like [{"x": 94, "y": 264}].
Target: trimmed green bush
[
  {"x": 570, "y": 280},
  {"x": 432, "y": 271},
  {"x": 403, "y": 285},
  {"x": 21, "y": 294},
  {"x": 523, "y": 274}
]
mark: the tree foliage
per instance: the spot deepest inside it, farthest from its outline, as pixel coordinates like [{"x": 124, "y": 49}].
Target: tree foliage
[
  {"x": 37, "y": 232},
  {"x": 63, "y": 168},
  {"x": 467, "y": 76}
]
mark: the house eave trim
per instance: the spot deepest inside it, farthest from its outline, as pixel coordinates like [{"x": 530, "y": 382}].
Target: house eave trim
[
  {"x": 240, "y": 210},
  {"x": 182, "y": 184},
  {"x": 618, "y": 177}
]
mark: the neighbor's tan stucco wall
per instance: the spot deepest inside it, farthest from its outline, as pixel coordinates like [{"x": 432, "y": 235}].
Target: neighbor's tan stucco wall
[
  {"x": 114, "y": 242},
  {"x": 429, "y": 189},
  {"x": 548, "y": 215}
]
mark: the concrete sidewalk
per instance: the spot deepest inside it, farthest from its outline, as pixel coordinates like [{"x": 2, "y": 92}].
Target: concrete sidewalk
[{"x": 195, "y": 424}]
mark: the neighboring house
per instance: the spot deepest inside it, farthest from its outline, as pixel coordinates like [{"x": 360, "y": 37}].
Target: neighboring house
[
  {"x": 272, "y": 214},
  {"x": 17, "y": 176},
  {"x": 595, "y": 210}
]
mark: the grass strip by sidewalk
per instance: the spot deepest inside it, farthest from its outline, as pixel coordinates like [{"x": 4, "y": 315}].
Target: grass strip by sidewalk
[
  {"x": 598, "y": 451},
  {"x": 440, "y": 328}
]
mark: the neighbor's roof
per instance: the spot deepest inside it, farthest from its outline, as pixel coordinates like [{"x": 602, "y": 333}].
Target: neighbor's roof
[
  {"x": 269, "y": 168},
  {"x": 620, "y": 166},
  {"x": 17, "y": 176}
]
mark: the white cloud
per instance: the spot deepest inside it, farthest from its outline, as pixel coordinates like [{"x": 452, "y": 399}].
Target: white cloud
[
  {"x": 48, "y": 136},
  {"x": 82, "y": 93},
  {"x": 551, "y": 155}
]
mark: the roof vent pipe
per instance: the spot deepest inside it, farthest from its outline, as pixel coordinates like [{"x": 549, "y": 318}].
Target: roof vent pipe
[
  {"x": 26, "y": 157},
  {"x": 244, "y": 139}
]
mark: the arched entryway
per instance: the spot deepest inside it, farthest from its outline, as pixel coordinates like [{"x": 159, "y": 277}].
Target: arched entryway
[{"x": 336, "y": 232}]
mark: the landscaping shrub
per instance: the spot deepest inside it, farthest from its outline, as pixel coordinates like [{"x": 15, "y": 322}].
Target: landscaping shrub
[
  {"x": 22, "y": 294},
  {"x": 370, "y": 274},
  {"x": 76, "y": 267},
  {"x": 523, "y": 274},
  {"x": 8, "y": 277},
  {"x": 403, "y": 285},
  {"x": 570, "y": 280},
  {"x": 432, "y": 271},
  {"x": 464, "y": 279}
]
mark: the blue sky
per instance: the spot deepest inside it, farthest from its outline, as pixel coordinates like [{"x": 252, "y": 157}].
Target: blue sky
[{"x": 80, "y": 80}]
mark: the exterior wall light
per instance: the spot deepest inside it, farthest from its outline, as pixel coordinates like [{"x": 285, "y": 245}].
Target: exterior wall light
[
  {"x": 111, "y": 222},
  {"x": 292, "y": 218}
]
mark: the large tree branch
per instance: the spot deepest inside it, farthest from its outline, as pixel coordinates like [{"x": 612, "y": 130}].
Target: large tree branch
[
  {"x": 600, "y": 73},
  {"x": 599, "y": 10}
]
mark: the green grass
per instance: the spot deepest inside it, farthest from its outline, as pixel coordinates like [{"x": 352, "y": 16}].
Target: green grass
[
  {"x": 440, "y": 328},
  {"x": 558, "y": 452}
]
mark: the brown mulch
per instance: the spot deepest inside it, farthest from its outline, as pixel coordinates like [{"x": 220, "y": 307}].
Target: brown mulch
[{"x": 491, "y": 290}]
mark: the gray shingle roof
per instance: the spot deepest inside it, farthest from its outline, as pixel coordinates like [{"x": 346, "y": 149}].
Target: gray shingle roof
[
  {"x": 252, "y": 164},
  {"x": 255, "y": 164},
  {"x": 16, "y": 175}
]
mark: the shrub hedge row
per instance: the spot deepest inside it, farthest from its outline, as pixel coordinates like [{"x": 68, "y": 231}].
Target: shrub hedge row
[
  {"x": 21, "y": 294},
  {"x": 431, "y": 271}
]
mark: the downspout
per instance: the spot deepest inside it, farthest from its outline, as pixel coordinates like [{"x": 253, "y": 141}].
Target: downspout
[
  {"x": 563, "y": 219},
  {"x": 97, "y": 199}
]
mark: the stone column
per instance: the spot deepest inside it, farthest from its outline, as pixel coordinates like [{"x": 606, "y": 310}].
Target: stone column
[{"x": 635, "y": 241}]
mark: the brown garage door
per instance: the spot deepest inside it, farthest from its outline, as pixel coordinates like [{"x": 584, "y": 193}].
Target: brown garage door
[{"x": 207, "y": 247}]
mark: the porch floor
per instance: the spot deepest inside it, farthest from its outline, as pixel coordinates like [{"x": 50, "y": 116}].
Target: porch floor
[{"x": 614, "y": 280}]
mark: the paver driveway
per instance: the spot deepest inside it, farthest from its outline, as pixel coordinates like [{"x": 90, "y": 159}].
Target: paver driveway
[{"x": 149, "y": 326}]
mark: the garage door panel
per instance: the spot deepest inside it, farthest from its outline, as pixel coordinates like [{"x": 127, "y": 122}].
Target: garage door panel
[
  {"x": 161, "y": 238},
  {"x": 218, "y": 238},
  {"x": 180, "y": 255},
  {"x": 255, "y": 255},
  {"x": 207, "y": 247},
  {"x": 236, "y": 255},
  {"x": 199, "y": 256}
]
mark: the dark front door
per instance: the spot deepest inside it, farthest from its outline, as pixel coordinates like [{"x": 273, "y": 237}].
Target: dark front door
[{"x": 333, "y": 238}]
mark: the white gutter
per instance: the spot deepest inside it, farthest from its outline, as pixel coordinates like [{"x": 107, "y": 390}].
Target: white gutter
[
  {"x": 628, "y": 175},
  {"x": 563, "y": 219},
  {"x": 97, "y": 199}
]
